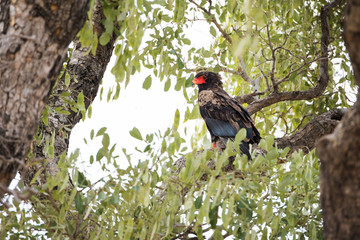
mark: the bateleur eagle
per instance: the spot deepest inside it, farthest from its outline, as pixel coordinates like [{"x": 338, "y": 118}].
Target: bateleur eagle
[{"x": 224, "y": 117}]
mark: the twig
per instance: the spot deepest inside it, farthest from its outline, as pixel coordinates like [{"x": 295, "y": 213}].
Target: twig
[
  {"x": 208, "y": 12},
  {"x": 241, "y": 72},
  {"x": 297, "y": 69},
  {"x": 18, "y": 195},
  {"x": 262, "y": 72},
  {"x": 301, "y": 122},
  {"x": 272, "y": 73},
  {"x": 323, "y": 79}
]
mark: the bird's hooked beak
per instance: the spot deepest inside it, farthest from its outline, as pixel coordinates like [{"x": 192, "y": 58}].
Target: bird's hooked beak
[{"x": 198, "y": 80}]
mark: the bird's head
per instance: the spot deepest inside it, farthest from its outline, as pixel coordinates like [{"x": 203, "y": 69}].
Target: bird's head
[{"x": 207, "y": 79}]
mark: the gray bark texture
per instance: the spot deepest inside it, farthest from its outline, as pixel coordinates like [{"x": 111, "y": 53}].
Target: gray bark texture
[
  {"x": 35, "y": 36},
  {"x": 88, "y": 71},
  {"x": 339, "y": 152},
  {"x": 307, "y": 136}
]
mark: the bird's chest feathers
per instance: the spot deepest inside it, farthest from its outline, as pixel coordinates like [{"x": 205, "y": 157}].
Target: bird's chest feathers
[{"x": 208, "y": 97}]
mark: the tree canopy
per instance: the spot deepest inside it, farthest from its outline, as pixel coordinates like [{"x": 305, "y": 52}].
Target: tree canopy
[{"x": 285, "y": 61}]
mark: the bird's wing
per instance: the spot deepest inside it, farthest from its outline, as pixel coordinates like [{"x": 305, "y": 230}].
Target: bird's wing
[
  {"x": 224, "y": 117},
  {"x": 220, "y": 128},
  {"x": 243, "y": 113}
]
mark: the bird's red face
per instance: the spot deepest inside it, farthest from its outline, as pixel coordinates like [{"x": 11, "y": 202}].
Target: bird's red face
[{"x": 199, "y": 80}]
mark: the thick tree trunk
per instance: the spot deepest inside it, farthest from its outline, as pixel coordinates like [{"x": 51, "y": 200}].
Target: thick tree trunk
[
  {"x": 88, "y": 71},
  {"x": 33, "y": 43},
  {"x": 339, "y": 152}
]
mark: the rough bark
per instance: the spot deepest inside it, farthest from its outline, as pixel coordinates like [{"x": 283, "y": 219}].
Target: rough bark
[
  {"x": 88, "y": 71},
  {"x": 339, "y": 152},
  {"x": 33, "y": 43},
  {"x": 307, "y": 136}
]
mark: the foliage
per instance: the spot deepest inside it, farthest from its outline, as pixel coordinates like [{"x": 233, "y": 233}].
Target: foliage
[
  {"x": 276, "y": 44},
  {"x": 260, "y": 198}
]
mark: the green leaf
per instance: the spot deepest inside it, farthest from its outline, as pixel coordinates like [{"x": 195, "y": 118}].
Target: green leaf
[
  {"x": 136, "y": 133},
  {"x": 163, "y": 146},
  {"x": 86, "y": 34},
  {"x": 82, "y": 180},
  {"x": 100, "y": 154},
  {"x": 268, "y": 213},
  {"x": 176, "y": 120},
  {"x": 212, "y": 31},
  {"x": 186, "y": 41},
  {"x": 213, "y": 215},
  {"x": 147, "y": 83},
  {"x": 104, "y": 38},
  {"x": 106, "y": 140},
  {"x": 241, "y": 135},
  {"x": 67, "y": 79},
  {"x": 51, "y": 149},
  {"x": 167, "y": 85},
  {"x": 272, "y": 154},
  {"x": 36, "y": 176},
  {"x": 285, "y": 181},
  {"x": 45, "y": 116},
  {"x": 92, "y": 134},
  {"x": 89, "y": 111},
  {"x": 109, "y": 25},
  {"x": 101, "y": 131},
  {"x": 267, "y": 142},
  {"x": 79, "y": 205},
  {"x": 94, "y": 44},
  {"x": 188, "y": 82},
  {"x": 179, "y": 84},
  {"x": 198, "y": 202},
  {"x": 80, "y": 102},
  {"x": 117, "y": 92},
  {"x": 70, "y": 226},
  {"x": 180, "y": 63}
]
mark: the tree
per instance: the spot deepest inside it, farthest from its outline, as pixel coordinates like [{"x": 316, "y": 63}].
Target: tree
[
  {"x": 33, "y": 35},
  {"x": 339, "y": 153},
  {"x": 280, "y": 59}
]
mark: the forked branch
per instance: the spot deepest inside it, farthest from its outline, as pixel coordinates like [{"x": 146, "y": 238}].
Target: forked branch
[{"x": 323, "y": 79}]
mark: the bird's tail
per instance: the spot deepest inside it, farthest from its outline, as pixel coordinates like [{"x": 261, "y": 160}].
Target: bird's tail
[{"x": 244, "y": 147}]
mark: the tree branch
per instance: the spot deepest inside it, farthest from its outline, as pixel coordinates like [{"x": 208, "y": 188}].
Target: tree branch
[
  {"x": 306, "y": 138},
  {"x": 303, "y": 139},
  {"x": 242, "y": 73},
  {"x": 323, "y": 79}
]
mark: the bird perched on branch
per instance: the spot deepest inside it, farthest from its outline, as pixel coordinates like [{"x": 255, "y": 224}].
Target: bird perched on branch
[{"x": 224, "y": 117}]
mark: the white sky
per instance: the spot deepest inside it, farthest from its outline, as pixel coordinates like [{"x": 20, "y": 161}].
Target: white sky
[{"x": 148, "y": 110}]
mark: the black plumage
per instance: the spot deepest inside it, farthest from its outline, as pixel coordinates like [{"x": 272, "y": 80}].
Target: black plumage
[{"x": 224, "y": 117}]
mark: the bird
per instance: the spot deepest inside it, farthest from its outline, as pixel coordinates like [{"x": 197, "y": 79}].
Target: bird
[{"x": 224, "y": 117}]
